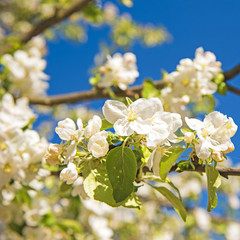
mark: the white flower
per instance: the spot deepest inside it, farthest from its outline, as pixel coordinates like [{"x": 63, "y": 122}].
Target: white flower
[
  {"x": 164, "y": 124},
  {"x": 93, "y": 126},
  {"x": 214, "y": 133},
  {"x": 26, "y": 72},
  {"x": 98, "y": 144},
  {"x": 233, "y": 231},
  {"x": 120, "y": 70},
  {"x": 188, "y": 137},
  {"x": 134, "y": 118},
  {"x": 66, "y": 129},
  {"x": 69, "y": 174}
]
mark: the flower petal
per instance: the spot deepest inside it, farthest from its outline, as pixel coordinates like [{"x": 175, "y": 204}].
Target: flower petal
[{"x": 114, "y": 110}]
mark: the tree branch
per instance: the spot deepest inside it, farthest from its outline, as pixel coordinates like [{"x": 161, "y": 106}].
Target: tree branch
[
  {"x": 102, "y": 93},
  {"x": 233, "y": 89},
  {"x": 59, "y": 16},
  {"x": 224, "y": 172},
  {"x": 231, "y": 73}
]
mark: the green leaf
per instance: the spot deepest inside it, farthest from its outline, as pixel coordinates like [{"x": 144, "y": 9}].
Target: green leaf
[
  {"x": 213, "y": 182},
  {"x": 149, "y": 89},
  {"x": 122, "y": 169},
  {"x": 175, "y": 202},
  {"x": 106, "y": 125},
  {"x": 98, "y": 187},
  {"x": 168, "y": 160},
  {"x": 183, "y": 166},
  {"x": 133, "y": 202}
]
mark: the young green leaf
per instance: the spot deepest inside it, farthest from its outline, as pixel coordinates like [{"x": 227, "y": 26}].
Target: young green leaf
[
  {"x": 122, "y": 170},
  {"x": 175, "y": 202},
  {"x": 213, "y": 182},
  {"x": 168, "y": 160},
  {"x": 106, "y": 124}
]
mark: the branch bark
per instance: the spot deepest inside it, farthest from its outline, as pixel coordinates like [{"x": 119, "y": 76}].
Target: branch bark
[
  {"x": 232, "y": 73},
  {"x": 233, "y": 89},
  {"x": 102, "y": 93},
  {"x": 59, "y": 16},
  {"x": 224, "y": 172}
]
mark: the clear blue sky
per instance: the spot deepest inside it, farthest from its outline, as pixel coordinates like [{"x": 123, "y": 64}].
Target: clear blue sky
[{"x": 214, "y": 25}]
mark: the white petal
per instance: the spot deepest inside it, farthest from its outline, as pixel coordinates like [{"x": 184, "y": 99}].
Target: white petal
[
  {"x": 140, "y": 126},
  {"x": 194, "y": 124},
  {"x": 122, "y": 127},
  {"x": 202, "y": 149},
  {"x": 114, "y": 110},
  {"x": 144, "y": 108}
]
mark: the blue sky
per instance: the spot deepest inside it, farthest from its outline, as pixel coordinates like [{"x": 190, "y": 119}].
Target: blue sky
[{"x": 214, "y": 25}]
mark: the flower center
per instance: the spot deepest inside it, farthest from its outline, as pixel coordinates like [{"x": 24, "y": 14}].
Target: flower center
[
  {"x": 205, "y": 133},
  {"x": 132, "y": 115},
  {"x": 185, "y": 81}
]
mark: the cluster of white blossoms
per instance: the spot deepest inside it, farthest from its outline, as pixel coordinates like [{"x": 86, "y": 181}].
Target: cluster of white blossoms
[
  {"x": 119, "y": 71},
  {"x": 20, "y": 147},
  {"x": 213, "y": 135},
  {"x": 24, "y": 69},
  {"x": 154, "y": 127},
  {"x": 191, "y": 80},
  {"x": 90, "y": 137}
]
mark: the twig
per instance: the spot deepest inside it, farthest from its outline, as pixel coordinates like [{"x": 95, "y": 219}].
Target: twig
[
  {"x": 233, "y": 89},
  {"x": 101, "y": 93},
  {"x": 59, "y": 16},
  {"x": 224, "y": 172},
  {"x": 231, "y": 73}
]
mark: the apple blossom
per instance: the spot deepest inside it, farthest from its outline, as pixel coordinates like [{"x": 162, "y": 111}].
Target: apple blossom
[
  {"x": 66, "y": 129},
  {"x": 214, "y": 133},
  {"x": 93, "y": 126},
  {"x": 69, "y": 174},
  {"x": 188, "y": 137},
  {"x": 98, "y": 144},
  {"x": 120, "y": 70},
  {"x": 134, "y": 118}
]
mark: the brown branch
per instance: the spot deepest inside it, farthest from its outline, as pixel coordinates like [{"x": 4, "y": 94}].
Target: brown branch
[
  {"x": 59, "y": 16},
  {"x": 231, "y": 73},
  {"x": 99, "y": 93},
  {"x": 233, "y": 89},
  {"x": 224, "y": 172},
  {"x": 103, "y": 94}
]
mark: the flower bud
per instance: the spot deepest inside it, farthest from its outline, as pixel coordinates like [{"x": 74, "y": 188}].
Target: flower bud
[
  {"x": 51, "y": 157},
  {"x": 188, "y": 137},
  {"x": 218, "y": 156},
  {"x": 69, "y": 174}
]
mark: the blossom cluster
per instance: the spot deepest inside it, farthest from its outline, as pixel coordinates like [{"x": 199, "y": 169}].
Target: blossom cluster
[
  {"x": 146, "y": 123},
  {"x": 192, "y": 80},
  {"x": 20, "y": 147},
  {"x": 119, "y": 71},
  {"x": 213, "y": 135},
  {"x": 24, "y": 69}
]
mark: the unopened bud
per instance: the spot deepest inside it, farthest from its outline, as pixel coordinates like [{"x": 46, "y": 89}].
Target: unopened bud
[
  {"x": 218, "y": 156},
  {"x": 188, "y": 137},
  {"x": 51, "y": 157}
]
